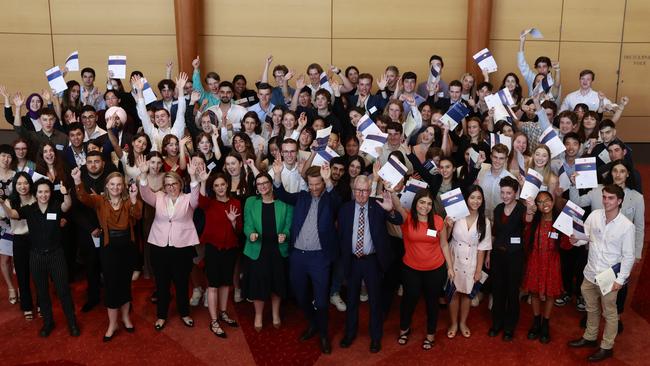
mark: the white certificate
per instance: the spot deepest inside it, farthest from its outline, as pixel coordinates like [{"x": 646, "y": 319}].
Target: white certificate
[
  {"x": 532, "y": 185},
  {"x": 55, "y": 79},
  {"x": 604, "y": 156},
  {"x": 454, "y": 115},
  {"x": 72, "y": 62},
  {"x": 534, "y": 32},
  {"x": 473, "y": 156},
  {"x": 324, "y": 156},
  {"x": 586, "y": 176},
  {"x": 367, "y": 126},
  {"x": 566, "y": 218},
  {"x": 454, "y": 204},
  {"x": 485, "y": 60},
  {"x": 147, "y": 92},
  {"x": 325, "y": 83},
  {"x": 497, "y": 138},
  {"x": 393, "y": 171},
  {"x": 372, "y": 141},
  {"x": 323, "y": 137},
  {"x": 117, "y": 65},
  {"x": 408, "y": 193},
  {"x": 605, "y": 280},
  {"x": 550, "y": 138}
]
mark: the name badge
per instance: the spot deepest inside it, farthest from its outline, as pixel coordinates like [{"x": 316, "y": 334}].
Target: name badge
[
  {"x": 251, "y": 99},
  {"x": 241, "y": 101},
  {"x": 59, "y": 147},
  {"x": 432, "y": 233},
  {"x": 51, "y": 216},
  {"x": 515, "y": 240},
  {"x": 553, "y": 235},
  {"x": 57, "y": 187},
  {"x": 372, "y": 110},
  {"x": 543, "y": 188},
  {"x": 441, "y": 95},
  {"x": 211, "y": 166}
]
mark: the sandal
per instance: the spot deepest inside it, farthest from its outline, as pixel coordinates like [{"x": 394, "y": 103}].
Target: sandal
[
  {"x": 215, "y": 328},
  {"x": 159, "y": 326},
  {"x": 188, "y": 322},
  {"x": 427, "y": 343},
  {"x": 223, "y": 316},
  {"x": 451, "y": 332},
  {"x": 13, "y": 296},
  {"x": 465, "y": 332},
  {"x": 403, "y": 338},
  {"x": 28, "y": 315}
]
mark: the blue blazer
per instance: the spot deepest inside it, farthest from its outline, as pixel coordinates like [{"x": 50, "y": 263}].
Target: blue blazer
[
  {"x": 373, "y": 101},
  {"x": 172, "y": 112},
  {"x": 327, "y": 208},
  {"x": 377, "y": 218}
]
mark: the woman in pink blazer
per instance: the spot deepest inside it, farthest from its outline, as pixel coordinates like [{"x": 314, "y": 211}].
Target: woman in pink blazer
[{"x": 172, "y": 238}]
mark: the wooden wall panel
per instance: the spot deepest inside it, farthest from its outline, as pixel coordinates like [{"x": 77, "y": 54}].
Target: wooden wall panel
[
  {"x": 637, "y": 25},
  {"x": 279, "y": 18},
  {"x": 633, "y": 129},
  {"x": 601, "y": 58},
  {"x": 403, "y": 19},
  {"x": 94, "y": 51},
  {"x": 236, "y": 55},
  {"x": 510, "y": 17},
  {"x": 18, "y": 17},
  {"x": 505, "y": 54},
  {"x": 408, "y": 55},
  {"x": 592, "y": 20},
  {"x": 113, "y": 17},
  {"x": 635, "y": 79}
]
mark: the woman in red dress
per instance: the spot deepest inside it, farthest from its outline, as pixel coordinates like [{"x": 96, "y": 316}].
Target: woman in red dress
[{"x": 542, "y": 278}]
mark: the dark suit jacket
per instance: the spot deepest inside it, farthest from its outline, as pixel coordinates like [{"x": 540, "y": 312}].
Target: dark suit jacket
[
  {"x": 376, "y": 101},
  {"x": 172, "y": 112},
  {"x": 377, "y": 218},
  {"x": 327, "y": 208}
]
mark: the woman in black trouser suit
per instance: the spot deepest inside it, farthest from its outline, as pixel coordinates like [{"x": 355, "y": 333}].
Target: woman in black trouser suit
[{"x": 507, "y": 260}]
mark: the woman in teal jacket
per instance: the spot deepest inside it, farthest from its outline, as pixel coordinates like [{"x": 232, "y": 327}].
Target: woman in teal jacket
[{"x": 267, "y": 222}]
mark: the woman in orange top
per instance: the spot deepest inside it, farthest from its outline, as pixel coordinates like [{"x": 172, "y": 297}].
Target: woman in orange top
[
  {"x": 117, "y": 210},
  {"x": 424, "y": 263}
]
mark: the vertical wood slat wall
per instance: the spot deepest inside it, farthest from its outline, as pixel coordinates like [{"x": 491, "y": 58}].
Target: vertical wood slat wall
[{"x": 611, "y": 37}]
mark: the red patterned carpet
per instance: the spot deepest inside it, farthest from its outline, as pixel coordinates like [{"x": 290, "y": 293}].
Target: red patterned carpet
[{"x": 179, "y": 345}]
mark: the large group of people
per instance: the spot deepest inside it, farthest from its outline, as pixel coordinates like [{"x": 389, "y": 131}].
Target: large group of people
[{"x": 216, "y": 187}]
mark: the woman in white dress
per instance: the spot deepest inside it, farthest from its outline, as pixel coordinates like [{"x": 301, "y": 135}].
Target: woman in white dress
[{"x": 470, "y": 238}]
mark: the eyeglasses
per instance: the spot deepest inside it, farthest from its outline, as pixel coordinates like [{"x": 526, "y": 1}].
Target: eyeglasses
[
  {"x": 170, "y": 185},
  {"x": 259, "y": 184},
  {"x": 88, "y": 117},
  {"x": 362, "y": 191},
  {"x": 20, "y": 148}
]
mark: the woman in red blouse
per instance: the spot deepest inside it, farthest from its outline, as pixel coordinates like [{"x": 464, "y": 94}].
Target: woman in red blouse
[
  {"x": 542, "y": 277},
  {"x": 220, "y": 236}
]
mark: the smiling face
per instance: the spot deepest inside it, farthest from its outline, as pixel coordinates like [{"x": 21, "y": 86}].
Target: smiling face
[
  {"x": 205, "y": 145},
  {"x": 473, "y": 128},
  {"x": 474, "y": 201},
  {"x": 314, "y": 76},
  {"x": 115, "y": 186},
  {"x": 22, "y": 186},
  {"x": 566, "y": 125},
  {"x": 289, "y": 121},
  {"x": 589, "y": 122},
  {"x": 510, "y": 83},
  {"x": 95, "y": 165},
  {"x": 49, "y": 155},
  {"x": 172, "y": 187},
  {"x": 263, "y": 185},
  {"x": 76, "y": 138},
  {"x": 354, "y": 169},
  {"x": 139, "y": 145},
  {"x": 572, "y": 147},
  {"x": 233, "y": 166},
  {"x": 361, "y": 191},
  {"x": 20, "y": 149},
  {"x": 5, "y": 161},
  {"x": 611, "y": 202},
  {"x": 225, "y": 94},
  {"x": 394, "y": 111},
  {"x": 540, "y": 158},
  {"x": 43, "y": 193},
  {"x": 238, "y": 144},
  {"x": 155, "y": 165},
  {"x": 171, "y": 149},
  {"x": 520, "y": 144},
  {"x": 544, "y": 203},
  {"x": 508, "y": 195},
  {"x": 364, "y": 86},
  {"x": 220, "y": 187},
  {"x": 446, "y": 169},
  {"x": 585, "y": 81},
  {"x": 423, "y": 206}
]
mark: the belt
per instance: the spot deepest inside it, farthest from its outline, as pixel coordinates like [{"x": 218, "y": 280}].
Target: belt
[{"x": 118, "y": 233}]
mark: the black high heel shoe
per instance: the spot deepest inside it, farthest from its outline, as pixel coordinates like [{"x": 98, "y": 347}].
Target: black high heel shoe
[{"x": 110, "y": 337}]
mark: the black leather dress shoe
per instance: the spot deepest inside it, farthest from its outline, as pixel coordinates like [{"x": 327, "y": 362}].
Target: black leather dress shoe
[
  {"x": 325, "y": 345},
  {"x": 508, "y": 335},
  {"x": 46, "y": 330},
  {"x": 375, "y": 346},
  {"x": 308, "y": 334},
  {"x": 600, "y": 355},
  {"x": 493, "y": 332},
  {"x": 579, "y": 343},
  {"x": 74, "y": 331},
  {"x": 346, "y": 342}
]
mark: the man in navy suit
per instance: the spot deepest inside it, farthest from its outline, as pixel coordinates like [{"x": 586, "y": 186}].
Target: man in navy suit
[
  {"x": 313, "y": 246},
  {"x": 373, "y": 104},
  {"x": 366, "y": 254},
  {"x": 166, "y": 88}
]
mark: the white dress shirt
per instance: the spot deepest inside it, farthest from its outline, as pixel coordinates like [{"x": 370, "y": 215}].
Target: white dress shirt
[
  {"x": 292, "y": 181},
  {"x": 490, "y": 185},
  {"x": 590, "y": 98},
  {"x": 609, "y": 244}
]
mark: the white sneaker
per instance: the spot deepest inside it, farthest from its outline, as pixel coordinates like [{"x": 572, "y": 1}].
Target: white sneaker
[
  {"x": 196, "y": 296},
  {"x": 237, "y": 295},
  {"x": 338, "y": 302},
  {"x": 205, "y": 299},
  {"x": 363, "y": 296}
]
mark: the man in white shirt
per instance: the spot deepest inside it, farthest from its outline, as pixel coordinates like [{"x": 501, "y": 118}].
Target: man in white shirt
[
  {"x": 264, "y": 107},
  {"x": 611, "y": 246},
  {"x": 586, "y": 95},
  {"x": 292, "y": 181},
  {"x": 89, "y": 121},
  {"x": 490, "y": 175},
  {"x": 542, "y": 64},
  {"x": 229, "y": 115},
  {"x": 89, "y": 94},
  {"x": 161, "y": 116}
]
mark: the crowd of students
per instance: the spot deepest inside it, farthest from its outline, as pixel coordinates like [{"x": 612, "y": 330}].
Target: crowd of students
[{"x": 218, "y": 186}]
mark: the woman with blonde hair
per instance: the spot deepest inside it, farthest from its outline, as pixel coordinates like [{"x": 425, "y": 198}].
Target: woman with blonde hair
[
  {"x": 541, "y": 163},
  {"x": 117, "y": 209}
]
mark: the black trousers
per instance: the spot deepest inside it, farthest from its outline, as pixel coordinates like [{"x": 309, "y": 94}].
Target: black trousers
[
  {"x": 415, "y": 282},
  {"x": 573, "y": 262},
  {"x": 92, "y": 264},
  {"x": 46, "y": 265},
  {"x": 171, "y": 264},
  {"x": 117, "y": 259},
  {"x": 393, "y": 275},
  {"x": 21, "y": 247},
  {"x": 507, "y": 271},
  {"x": 367, "y": 269}
]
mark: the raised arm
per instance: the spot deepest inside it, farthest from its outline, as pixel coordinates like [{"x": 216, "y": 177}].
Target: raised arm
[
  {"x": 196, "y": 78},
  {"x": 300, "y": 83},
  {"x": 619, "y": 111},
  {"x": 347, "y": 84},
  {"x": 67, "y": 202},
  {"x": 147, "y": 125},
  {"x": 179, "y": 125},
  {"x": 110, "y": 123},
  {"x": 90, "y": 200},
  {"x": 264, "y": 78}
]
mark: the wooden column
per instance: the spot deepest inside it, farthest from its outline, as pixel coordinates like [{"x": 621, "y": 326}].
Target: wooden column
[
  {"x": 479, "y": 19},
  {"x": 187, "y": 32}
]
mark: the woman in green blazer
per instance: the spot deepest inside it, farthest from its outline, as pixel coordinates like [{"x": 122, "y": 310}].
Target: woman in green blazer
[{"x": 267, "y": 222}]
